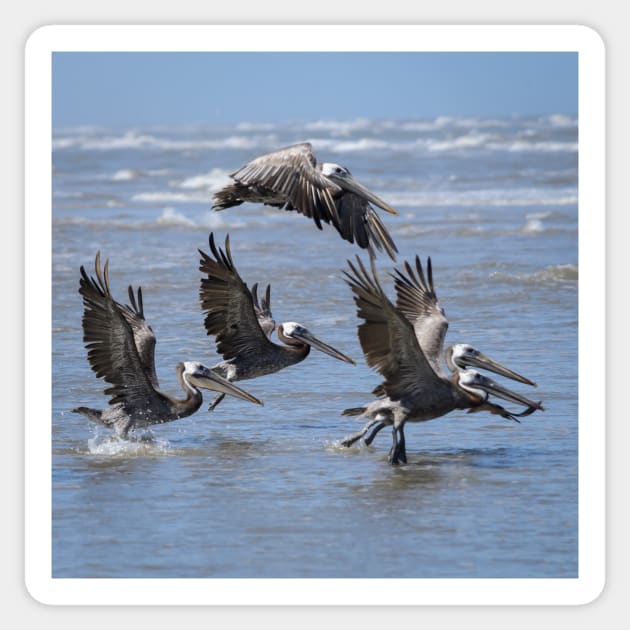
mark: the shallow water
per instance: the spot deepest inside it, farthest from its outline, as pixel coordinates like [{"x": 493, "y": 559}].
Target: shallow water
[{"x": 248, "y": 491}]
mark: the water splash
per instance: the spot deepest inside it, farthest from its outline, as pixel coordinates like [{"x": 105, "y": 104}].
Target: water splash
[{"x": 140, "y": 445}]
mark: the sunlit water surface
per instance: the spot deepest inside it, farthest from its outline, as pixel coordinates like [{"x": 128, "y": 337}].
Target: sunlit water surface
[{"x": 248, "y": 491}]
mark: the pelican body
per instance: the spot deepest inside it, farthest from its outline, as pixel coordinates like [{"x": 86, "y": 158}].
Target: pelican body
[
  {"x": 121, "y": 350},
  {"x": 404, "y": 343},
  {"x": 243, "y": 326},
  {"x": 292, "y": 179}
]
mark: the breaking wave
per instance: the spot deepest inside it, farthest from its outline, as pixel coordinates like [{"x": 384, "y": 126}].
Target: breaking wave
[{"x": 566, "y": 274}]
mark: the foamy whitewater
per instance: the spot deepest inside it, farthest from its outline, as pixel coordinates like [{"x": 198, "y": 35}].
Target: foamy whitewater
[{"x": 249, "y": 491}]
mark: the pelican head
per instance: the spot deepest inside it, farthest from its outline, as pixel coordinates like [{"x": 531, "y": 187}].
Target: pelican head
[
  {"x": 341, "y": 176},
  {"x": 293, "y": 333},
  {"x": 197, "y": 376},
  {"x": 463, "y": 355},
  {"x": 479, "y": 385}
]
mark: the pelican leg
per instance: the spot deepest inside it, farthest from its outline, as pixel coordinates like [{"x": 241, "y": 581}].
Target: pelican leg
[
  {"x": 215, "y": 401},
  {"x": 393, "y": 451},
  {"x": 397, "y": 453},
  {"x": 402, "y": 455},
  {"x": 350, "y": 440},
  {"x": 370, "y": 438}
]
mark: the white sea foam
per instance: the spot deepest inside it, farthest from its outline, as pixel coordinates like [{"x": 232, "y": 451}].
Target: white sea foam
[
  {"x": 561, "y": 120},
  {"x": 170, "y": 216},
  {"x": 255, "y": 126},
  {"x": 533, "y": 226},
  {"x": 566, "y": 274},
  {"x": 540, "y": 147},
  {"x": 214, "y": 180},
  {"x": 362, "y": 144},
  {"x": 538, "y": 215},
  {"x": 340, "y": 127},
  {"x": 488, "y": 198},
  {"x": 470, "y": 140},
  {"x": 215, "y": 220},
  {"x": 131, "y": 140},
  {"x": 168, "y": 196},
  {"x": 141, "y": 445},
  {"x": 126, "y": 174}
]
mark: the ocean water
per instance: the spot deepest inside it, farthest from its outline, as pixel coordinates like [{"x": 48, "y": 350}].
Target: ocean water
[{"x": 249, "y": 491}]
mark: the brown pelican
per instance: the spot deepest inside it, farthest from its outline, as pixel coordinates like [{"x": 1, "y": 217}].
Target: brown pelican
[
  {"x": 243, "y": 327},
  {"x": 404, "y": 343},
  {"x": 121, "y": 350},
  {"x": 291, "y": 178}
]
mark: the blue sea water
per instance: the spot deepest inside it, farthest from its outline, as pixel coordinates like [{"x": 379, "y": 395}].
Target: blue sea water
[{"x": 248, "y": 491}]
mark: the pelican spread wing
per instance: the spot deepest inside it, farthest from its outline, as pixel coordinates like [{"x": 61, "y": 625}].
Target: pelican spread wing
[
  {"x": 291, "y": 173},
  {"x": 142, "y": 333},
  {"x": 417, "y": 300},
  {"x": 109, "y": 335},
  {"x": 262, "y": 309},
  {"x": 359, "y": 222},
  {"x": 229, "y": 305},
  {"x": 387, "y": 337}
]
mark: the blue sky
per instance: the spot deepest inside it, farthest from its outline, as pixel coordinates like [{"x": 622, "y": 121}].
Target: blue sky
[{"x": 114, "y": 89}]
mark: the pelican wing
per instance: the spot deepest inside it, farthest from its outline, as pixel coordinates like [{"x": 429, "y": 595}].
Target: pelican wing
[
  {"x": 109, "y": 337},
  {"x": 291, "y": 173},
  {"x": 359, "y": 222},
  {"x": 388, "y": 339},
  {"x": 142, "y": 333},
  {"x": 229, "y": 305},
  {"x": 417, "y": 300},
  {"x": 263, "y": 311}
]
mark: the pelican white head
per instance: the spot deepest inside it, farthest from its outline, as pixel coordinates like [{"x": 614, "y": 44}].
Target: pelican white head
[
  {"x": 471, "y": 380},
  {"x": 290, "y": 328},
  {"x": 330, "y": 169}
]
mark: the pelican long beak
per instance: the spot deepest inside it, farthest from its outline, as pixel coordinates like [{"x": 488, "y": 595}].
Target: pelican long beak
[
  {"x": 495, "y": 389},
  {"x": 485, "y": 362},
  {"x": 207, "y": 379},
  {"x": 350, "y": 184},
  {"x": 307, "y": 337}
]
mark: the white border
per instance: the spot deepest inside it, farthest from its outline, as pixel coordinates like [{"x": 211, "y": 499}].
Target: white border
[{"x": 581, "y": 590}]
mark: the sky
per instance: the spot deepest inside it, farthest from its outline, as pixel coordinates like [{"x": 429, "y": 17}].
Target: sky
[{"x": 121, "y": 89}]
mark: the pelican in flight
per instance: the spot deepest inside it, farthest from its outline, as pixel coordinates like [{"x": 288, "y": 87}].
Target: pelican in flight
[
  {"x": 243, "y": 326},
  {"x": 404, "y": 343},
  {"x": 291, "y": 178},
  {"x": 121, "y": 350}
]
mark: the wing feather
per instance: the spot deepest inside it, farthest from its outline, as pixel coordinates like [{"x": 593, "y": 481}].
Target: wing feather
[
  {"x": 291, "y": 173},
  {"x": 109, "y": 338},
  {"x": 417, "y": 300},
  {"x": 263, "y": 310},
  {"x": 387, "y": 337},
  {"x": 229, "y": 305},
  {"x": 359, "y": 222},
  {"x": 142, "y": 333}
]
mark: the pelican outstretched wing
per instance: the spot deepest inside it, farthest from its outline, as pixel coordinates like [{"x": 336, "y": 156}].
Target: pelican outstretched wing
[
  {"x": 142, "y": 333},
  {"x": 263, "y": 310},
  {"x": 110, "y": 338},
  {"x": 291, "y": 173},
  {"x": 387, "y": 337},
  {"x": 417, "y": 300},
  {"x": 359, "y": 222},
  {"x": 229, "y": 305}
]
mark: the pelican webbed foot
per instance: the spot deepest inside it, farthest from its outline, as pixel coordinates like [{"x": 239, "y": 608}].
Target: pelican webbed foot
[
  {"x": 351, "y": 439},
  {"x": 370, "y": 438},
  {"x": 215, "y": 401}
]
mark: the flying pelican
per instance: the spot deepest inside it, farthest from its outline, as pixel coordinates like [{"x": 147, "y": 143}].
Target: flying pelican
[
  {"x": 121, "y": 350},
  {"x": 243, "y": 327},
  {"x": 404, "y": 343},
  {"x": 291, "y": 178}
]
